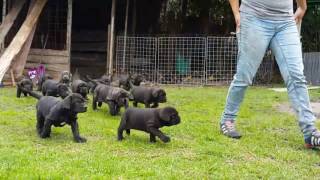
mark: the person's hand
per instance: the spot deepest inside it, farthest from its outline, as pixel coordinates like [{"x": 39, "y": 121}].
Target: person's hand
[
  {"x": 237, "y": 21},
  {"x": 298, "y": 15}
]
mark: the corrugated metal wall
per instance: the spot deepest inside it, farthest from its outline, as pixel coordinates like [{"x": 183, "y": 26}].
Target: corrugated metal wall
[{"x": 311, "y": 62}]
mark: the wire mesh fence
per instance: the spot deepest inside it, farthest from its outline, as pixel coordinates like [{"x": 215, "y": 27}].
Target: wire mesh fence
[
  {"x": 265, "y": 71},
  {"x": 137, "y": 55},
  {"x": 184, "y": 60},
  {"x": 181, "y": 60},
  {"x": 222, "y": 60}
]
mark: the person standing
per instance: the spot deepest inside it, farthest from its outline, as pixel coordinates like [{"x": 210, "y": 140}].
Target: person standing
[{"x": 263, "y": 24}]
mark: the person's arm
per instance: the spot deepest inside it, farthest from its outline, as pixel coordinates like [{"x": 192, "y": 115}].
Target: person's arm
[
  {"x": 301, "y": 10},
  {"x": 236, "y": 12}
]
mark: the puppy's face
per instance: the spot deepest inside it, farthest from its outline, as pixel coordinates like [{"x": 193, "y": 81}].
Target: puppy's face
[
  {"x": 160, "y": 95},
  {"x": 122, "y": 98},
  {"x": 27, "y": 84},
  {"x": 137, "y": 79},
  {"x": 169, "y": 116},
  {"x": 83, "y": 89},
  {"x": 66, "y": 76},
  {"x": 63, "y": 90},
  {"x": 106, "y": 78},
  {"x": 75, "y": 103}
]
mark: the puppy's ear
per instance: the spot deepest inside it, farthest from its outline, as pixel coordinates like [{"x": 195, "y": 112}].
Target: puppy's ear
[
  {"x": 66, "y": 103},
  {"x": 155, "y": 92},
  {"x": 164, "y": 115}
]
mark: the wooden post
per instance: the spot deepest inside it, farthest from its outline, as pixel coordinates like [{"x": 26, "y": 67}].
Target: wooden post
[
  {"x": 69, "y": 31},
  {"x": 21, "y": 37},
  {"x": 4, "y": 13},
  {"x": 21, "y": 59},
  {"x": 9, "y": 19},
  {"x": 13, "y": 81},
  {"x": 112, "y": 38},
  {"x": 4, "y": 9},
  {"x": 125, "y": 37},
  {"x": 108, "y": 48}
]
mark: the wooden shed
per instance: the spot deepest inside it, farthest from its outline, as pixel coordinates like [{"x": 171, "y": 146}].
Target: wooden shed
[{"x": 59, "y": 34}]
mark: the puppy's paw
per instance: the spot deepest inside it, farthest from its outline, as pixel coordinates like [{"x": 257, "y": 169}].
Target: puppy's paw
[
  {"x": 43, "y": 136},
  {"x": 113, "y": 114},
  {"x": 120, "y": 138},
  {"x": 81, "y": 140},
  {"x": 166, "y": 139}
]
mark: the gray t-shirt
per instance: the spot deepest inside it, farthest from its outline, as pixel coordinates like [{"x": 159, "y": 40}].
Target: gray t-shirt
[{"x": 268, "y": 9}]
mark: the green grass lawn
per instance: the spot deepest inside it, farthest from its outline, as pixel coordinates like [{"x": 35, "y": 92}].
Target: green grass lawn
[{"x": 272, "y": 145}]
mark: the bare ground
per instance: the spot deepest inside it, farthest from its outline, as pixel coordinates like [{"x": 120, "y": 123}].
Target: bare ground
[{"x": 286, "y": 108}]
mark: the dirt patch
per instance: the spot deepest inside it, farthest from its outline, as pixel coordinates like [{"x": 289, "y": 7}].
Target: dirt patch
[{"x": 286, "y": 108}]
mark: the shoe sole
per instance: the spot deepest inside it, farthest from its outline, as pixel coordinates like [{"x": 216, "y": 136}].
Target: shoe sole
[
  {"x": 233, "y": 137},
  {"x": 309, "y": 146}
]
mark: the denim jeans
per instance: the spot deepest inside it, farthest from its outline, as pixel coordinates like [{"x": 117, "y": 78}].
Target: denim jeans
[{"x": 255, "y": 37}]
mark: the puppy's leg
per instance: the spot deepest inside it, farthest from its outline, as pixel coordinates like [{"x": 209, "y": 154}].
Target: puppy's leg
[
  {"x": 135, "y": 103},
  {"x": 112, "y": 108},
  {"x": 155, "y": 105},
  {"x": 122, "y": 127},
  {"x": 152, "y": 138},
  {"x": 84, "y": 95},
  {"x": 94, "y": 103},
  {"x": 18, "y": 92},
  {"x": 128, "y": 131},
  {"x": 25, "y": 94},
  {"x": 46, "y": 130},
  {"x": 117, "y": 109},
  {"x": 43, "y": 92},
  {"x": 99, "y": 104},
  {"x": 126, "y": 104},
  {"x": 147, "y": 104},
  {"x": 75, "y": 132},
  {"x": 157, "y": 132},
  {"x": 40, "y": 123}
]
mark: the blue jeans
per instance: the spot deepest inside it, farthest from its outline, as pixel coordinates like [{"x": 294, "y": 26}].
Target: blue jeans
[{"x": 255, "y": 37}]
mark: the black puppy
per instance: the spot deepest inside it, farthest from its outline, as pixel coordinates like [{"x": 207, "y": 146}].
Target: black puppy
[
  {"x": 122, "y": 81},
  {"x": 54, "y": 88},
  {"x": 147, "y": 96},
  {"x": 113, "y": 96},
  {"x": 42, "y": 79},
  {"x": 52, "y": 111},
  {"x": 148, "y": 120},
  {"x": 91, "y": 86},
  {"x": 66, "y": 78},
  {"x": 127, "y": 81},
  {"x": 24, "y": 86},
  {"x": 81, "y": 87},
  {"x": 137, "y": 79},
  {"x": 93, "y": 83}
]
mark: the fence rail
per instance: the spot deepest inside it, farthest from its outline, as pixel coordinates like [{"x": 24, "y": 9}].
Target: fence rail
[{"x": 184, "y": 60}]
